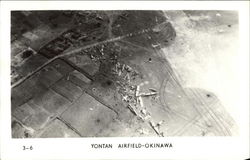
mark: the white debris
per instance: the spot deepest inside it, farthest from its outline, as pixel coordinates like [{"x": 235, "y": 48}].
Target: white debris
[
  {"x": 119, "y": 72},
  {"x": 221, "y": 31},
  {"x": 132, "y": 87},
  {"x": 155, "y": 45},
  {"x": 29, "y": 129},
  {"x": 102, "y": 53},
  {"x": 137, "y": 91},
  {"x": 147, "y": 117},
  {"x": 140, "y": 102},
  {"x": 143, "y": 111},
  {"x": 92, "y": 57},
  {"x": 66, "y": 135},
  {"x": 128, "y": 68},
  {"x": 156, "y": 29},
  {"x": 143, "y": 131},
  {"x": 125, "y": 98},
  {"x": 218, "y": 14},
  {"x": 147, "y": 94}
]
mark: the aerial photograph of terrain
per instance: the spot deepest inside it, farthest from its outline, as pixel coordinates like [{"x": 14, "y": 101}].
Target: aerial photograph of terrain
[{"x": 122, "y": 73}]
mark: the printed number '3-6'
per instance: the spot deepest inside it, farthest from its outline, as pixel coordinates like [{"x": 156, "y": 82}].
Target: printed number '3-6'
[{"x": 27, "y": 148}]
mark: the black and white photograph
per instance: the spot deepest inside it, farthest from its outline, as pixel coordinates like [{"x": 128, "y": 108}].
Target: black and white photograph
[
  {"x": 124, "y": 80},
  {"x": 120, "y": 73}
]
